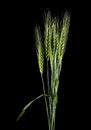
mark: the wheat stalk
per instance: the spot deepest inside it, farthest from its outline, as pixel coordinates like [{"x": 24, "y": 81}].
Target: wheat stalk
[
  {"x": 51, "y": 46},
  {"x": 55, "y": 39}
]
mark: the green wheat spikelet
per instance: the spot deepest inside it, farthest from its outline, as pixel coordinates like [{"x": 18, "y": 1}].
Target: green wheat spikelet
[
  {"x": 55, "y": 30},
  {"x": 50, "y": 47},
  {"x": 63, "y": 38},
  {"x": 39, "y": 49},
  {"x": 47, "y": 34},
  {"x": 64, "y": 34}
]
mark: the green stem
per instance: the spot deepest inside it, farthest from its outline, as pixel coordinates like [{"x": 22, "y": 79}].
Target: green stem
[
  {"x": 48, "y": 78},
  {"x": 49, "y": 101},
  {"x": 46, "y": 102}
]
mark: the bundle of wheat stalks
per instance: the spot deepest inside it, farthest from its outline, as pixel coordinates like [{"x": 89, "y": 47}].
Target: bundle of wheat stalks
[{"x": 50, "y": 47}]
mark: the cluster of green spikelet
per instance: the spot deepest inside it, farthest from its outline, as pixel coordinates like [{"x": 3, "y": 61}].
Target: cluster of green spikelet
[
  {"x": 51, "y": 46},
  {"x": 53, "y": 42}
]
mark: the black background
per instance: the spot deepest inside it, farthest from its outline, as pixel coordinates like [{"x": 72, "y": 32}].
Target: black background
[{"x": 71, "y": 109}]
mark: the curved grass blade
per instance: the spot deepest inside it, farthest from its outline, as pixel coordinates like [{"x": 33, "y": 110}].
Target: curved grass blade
[{"x": 28, "y": 105}]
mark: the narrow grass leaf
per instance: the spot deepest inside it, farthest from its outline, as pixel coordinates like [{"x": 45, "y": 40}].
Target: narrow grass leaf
[{"x": 28, "y": 105}]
